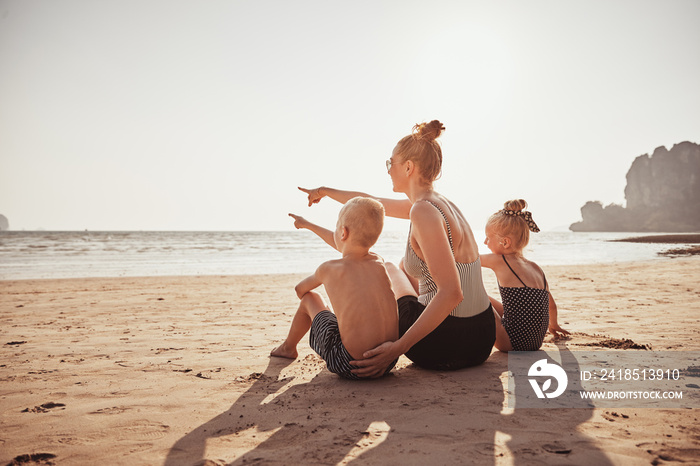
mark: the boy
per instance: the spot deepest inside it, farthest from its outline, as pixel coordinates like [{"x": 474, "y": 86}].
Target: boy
[{"x": 358, "y": 287}]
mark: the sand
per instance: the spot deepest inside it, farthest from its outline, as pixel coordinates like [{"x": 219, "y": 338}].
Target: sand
[
  {"x": 675, "y": 238},
  {"x": 682, "y": 238},
  {"x": 175, "y": 371}
]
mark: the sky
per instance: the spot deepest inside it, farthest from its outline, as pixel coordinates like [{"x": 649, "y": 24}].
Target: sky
[{"x": 186, "y": 115}]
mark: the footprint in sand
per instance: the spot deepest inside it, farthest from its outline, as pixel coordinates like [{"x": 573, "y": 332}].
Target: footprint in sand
[
  {"x": 33, "y": 458},
  {"x": 212, "y": 463},
  {"x": 490, "y": 449},
  {"x": 142, "y": 430},
  {"x": 89, "y": 438},
  {"x": 112, "y": 410},
  {"x": 44, "y": 408},
  {"x": 558, "y": 448},
  {"x": 136, "y": 431}
]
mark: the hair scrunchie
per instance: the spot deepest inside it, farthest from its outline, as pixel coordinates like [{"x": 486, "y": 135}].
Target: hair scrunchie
[{"x": 525, "y": 215}]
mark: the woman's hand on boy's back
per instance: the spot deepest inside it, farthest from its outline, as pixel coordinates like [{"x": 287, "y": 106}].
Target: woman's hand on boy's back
[{"x": 376, "y": 360}]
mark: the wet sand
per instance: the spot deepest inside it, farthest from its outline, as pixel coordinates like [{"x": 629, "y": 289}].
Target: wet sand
[{"x": 676, "y": 238}]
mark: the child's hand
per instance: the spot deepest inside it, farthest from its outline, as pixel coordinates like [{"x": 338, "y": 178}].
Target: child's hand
[
  {"x": 299, "y": 222},
  {"x": 315, "y": 195},
  {"x": 557, "y": 331}
]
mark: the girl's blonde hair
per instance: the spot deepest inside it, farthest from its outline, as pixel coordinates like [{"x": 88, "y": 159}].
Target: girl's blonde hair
[
  {"x": 422, "y": 147},
  {"x": 515, "y": 222}
]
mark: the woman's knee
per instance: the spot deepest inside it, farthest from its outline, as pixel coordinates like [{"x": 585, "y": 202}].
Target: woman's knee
[
  {"x": 400, "y": 282},
  {"x": 391, "y": 267}
]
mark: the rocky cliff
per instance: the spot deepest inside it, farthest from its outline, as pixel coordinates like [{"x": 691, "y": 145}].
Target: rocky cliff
[{"x": 662, "y": 194}]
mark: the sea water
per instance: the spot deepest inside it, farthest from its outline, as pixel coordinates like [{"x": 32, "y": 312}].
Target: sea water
[{"x": 45, "y": 254}]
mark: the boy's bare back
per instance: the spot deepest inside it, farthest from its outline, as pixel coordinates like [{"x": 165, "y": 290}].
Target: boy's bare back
[{"x": 360, "y": 292}]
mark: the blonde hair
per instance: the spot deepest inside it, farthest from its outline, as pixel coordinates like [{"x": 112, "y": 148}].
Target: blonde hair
[
  {"x": 422, "y": 147},
  {"x": 364, "y": 219},
  {"x": 512, "y": 221}
]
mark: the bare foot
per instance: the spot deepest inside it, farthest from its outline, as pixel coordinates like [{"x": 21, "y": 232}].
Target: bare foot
[{"x": 283, "y": 352}]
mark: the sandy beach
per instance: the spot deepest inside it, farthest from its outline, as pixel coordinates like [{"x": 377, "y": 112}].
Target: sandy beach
[{"x": 175, "y": 371}]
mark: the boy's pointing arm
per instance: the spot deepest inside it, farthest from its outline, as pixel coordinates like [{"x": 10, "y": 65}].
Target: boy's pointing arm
[{"x": 323, "y": 233}]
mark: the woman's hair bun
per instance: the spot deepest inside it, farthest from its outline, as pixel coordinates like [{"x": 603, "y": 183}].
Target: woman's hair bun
[
  {"x": 428, "y": 131},
  {"x": 515, "y": 205}
]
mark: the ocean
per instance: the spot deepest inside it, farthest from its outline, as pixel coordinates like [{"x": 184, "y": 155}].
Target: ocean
[{"x": 46, "y": 254}]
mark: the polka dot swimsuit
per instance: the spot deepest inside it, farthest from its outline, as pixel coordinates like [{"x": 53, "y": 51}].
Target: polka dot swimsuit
[{"x": 525, "y": 314}]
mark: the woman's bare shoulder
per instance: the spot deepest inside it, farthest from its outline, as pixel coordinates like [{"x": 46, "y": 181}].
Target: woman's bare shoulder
[{"x": 424, "y": 211}]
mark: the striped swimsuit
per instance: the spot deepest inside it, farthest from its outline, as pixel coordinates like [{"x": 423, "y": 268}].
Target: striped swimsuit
[
  {"x": 465, "y": 338},
  {"x": 475, "y": 297},
  {"x": 324, "y": 338}
]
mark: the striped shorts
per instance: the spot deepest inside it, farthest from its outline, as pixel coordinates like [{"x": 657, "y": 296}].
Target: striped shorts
[{"x": 325, "y": 340}]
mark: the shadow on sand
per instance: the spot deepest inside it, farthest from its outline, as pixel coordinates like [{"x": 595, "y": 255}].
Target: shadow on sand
[{"x": 413, "y": 416}]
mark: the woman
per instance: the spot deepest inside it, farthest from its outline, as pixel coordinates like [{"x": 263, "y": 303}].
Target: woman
[{"x": 448, "y": 323}]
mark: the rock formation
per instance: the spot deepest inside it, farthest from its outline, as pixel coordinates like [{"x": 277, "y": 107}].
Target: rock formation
[
  {"x": 4, "y": 224},
  {"x": 662, "y": 194}
]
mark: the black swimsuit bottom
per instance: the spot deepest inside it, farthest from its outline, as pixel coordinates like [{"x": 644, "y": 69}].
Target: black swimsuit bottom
[{"x": 456, "y": 343}]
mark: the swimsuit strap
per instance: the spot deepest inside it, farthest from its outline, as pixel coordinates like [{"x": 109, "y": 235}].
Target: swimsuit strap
[
  {"x": 516, "y": 275},
  {"x": 449, "y": 231},
  {"x": 511, "y": 269}
]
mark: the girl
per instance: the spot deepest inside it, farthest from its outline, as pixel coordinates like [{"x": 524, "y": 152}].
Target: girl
[{"x": 528, "y": 308}]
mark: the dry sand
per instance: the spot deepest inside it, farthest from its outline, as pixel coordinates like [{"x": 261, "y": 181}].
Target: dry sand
[{"x": 174, "y": 370}]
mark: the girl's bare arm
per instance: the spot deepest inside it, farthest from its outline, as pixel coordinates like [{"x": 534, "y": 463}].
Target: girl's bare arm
[
  {"x": 490, "y": 261},
  {"x": 554, "y": 327}
]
